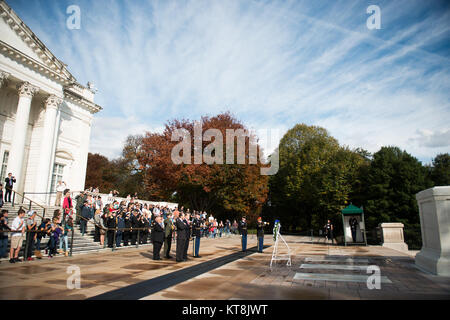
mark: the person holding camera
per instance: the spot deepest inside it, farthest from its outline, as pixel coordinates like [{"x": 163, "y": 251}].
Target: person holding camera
[{"x": 9, "y": 184}]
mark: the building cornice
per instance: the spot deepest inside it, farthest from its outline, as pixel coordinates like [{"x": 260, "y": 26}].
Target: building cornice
[
  {"x": 24, "y": 32},
  {"x": 78, "y": 99},
  {"x": 33, "y": 64},
  {"x": 51, "y": 68}
]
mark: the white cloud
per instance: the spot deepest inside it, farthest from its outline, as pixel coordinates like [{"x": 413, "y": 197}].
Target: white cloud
[{"x": 273, "y": 64}]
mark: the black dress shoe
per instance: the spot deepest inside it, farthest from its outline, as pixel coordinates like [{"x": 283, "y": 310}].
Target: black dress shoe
[
  {"x": 12, "y": 261},
  {"x": 179, "y": 260},
  {"x": 197, "y": 256}
]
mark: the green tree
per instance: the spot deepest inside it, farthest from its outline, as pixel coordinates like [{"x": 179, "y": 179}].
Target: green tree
[
  {"x": 315, "y": 178},
  {"x": 393, "y": 179},
  {"x": 440, "y": 171}
]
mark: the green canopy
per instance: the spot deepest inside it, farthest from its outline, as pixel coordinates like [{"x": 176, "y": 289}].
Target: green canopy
[{"x": 351, "y": 209}]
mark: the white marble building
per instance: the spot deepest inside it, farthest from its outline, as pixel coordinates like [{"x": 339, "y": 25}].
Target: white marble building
[{"x": 45, "y": 115}]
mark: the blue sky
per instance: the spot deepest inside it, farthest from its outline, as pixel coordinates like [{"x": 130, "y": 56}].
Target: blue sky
[{"x": 271, "y": 63}]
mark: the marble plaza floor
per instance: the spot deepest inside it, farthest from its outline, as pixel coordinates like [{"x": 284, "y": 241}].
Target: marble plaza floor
[{"x": 318, "y": 271}]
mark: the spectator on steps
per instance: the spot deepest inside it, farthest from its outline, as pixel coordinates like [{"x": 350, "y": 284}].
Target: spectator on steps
[
  {"x": 43, "y": 230},
  {"x": 31, "y": 224},
  {"x": 87, "y": 212},
  {"x": 4, "y": 235},
  {"x": 59, "y": 192},
  {"x": 18, "y": 226},
  {"x": 1, "y": 195},
  {"x": 55, "y": 231},
  {"x": 9, "y": 184}
]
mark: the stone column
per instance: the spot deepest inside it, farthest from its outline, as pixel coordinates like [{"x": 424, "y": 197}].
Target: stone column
[
  {"x": 434, "y": 210},
  {"x": 45, "y": 155},
  {"x": 16, "y": 154},
  {"x": 3, "y": 77},
  {"x": 392, "y": 235}
]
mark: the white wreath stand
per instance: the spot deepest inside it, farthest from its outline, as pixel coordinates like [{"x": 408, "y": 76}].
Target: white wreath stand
[{"x": 275, "y": 255}]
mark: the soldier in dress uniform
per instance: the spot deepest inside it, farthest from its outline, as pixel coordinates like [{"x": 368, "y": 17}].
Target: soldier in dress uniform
[
  {"x": 168, "y": 229},
  {"x": 353, "y": 225},
  {"x": 329, "y": 231},
  {"x": 243, "y": 232},
  {"x": 260, "y": 233},
  {"x": 157, "y": 237},
  {"x": 181, "y": 235},
  {"x": 197, "y": 232}
]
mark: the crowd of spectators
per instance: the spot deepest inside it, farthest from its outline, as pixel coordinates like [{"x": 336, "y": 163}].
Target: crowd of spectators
[{"x": 116, "y": 223}]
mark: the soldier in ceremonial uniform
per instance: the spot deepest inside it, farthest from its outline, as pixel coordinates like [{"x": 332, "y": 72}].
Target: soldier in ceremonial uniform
[
  {"x": 197, "y": 232},
  {"x": 329, "y": 231},
  {"x": 260, "y": 234},
  {"x": 168, "y": 229},
  {"x": 157, "y": 237},
  {"x": 243, "y": 232},
  {"x": 181, "y": 235},
  {"x": 353, "y": 225}
]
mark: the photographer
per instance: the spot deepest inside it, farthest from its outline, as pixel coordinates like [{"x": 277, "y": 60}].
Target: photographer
[{"x": 9, "y": 184}]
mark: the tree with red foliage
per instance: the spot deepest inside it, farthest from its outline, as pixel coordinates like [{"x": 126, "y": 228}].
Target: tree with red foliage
[{"x": 223, "y": 188}]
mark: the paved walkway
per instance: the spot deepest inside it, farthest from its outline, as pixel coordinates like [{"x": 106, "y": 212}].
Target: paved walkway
[{"x": 223, "y": 272}]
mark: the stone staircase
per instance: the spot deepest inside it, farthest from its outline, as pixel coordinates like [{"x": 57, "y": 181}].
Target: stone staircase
[{"x": 81, "y": 244}]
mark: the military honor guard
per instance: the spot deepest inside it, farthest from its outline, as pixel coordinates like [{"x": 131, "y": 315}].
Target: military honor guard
[
  {"x": 157, "y": 236},
  {"x": 260, "y": 233},
  {"x": 354, "y": 226},
  {"x": 243, "y": 231},
  {"x": 196, "y": 232},
  {"x": 168, "y": 229}
]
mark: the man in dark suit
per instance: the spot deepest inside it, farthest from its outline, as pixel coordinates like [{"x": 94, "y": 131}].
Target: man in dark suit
[
  {"x": 134, "y": 224},
  {"x": 157, "y": 237},
  {"x": 168, "y": 229},
  {"x": 181, "y": 235},
  {"x": 9, "y": 183},
  {"x": 187, "y": 221}
]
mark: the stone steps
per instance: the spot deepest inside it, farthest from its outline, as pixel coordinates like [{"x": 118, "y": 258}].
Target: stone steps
[{"x": 81, "y": 244}]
